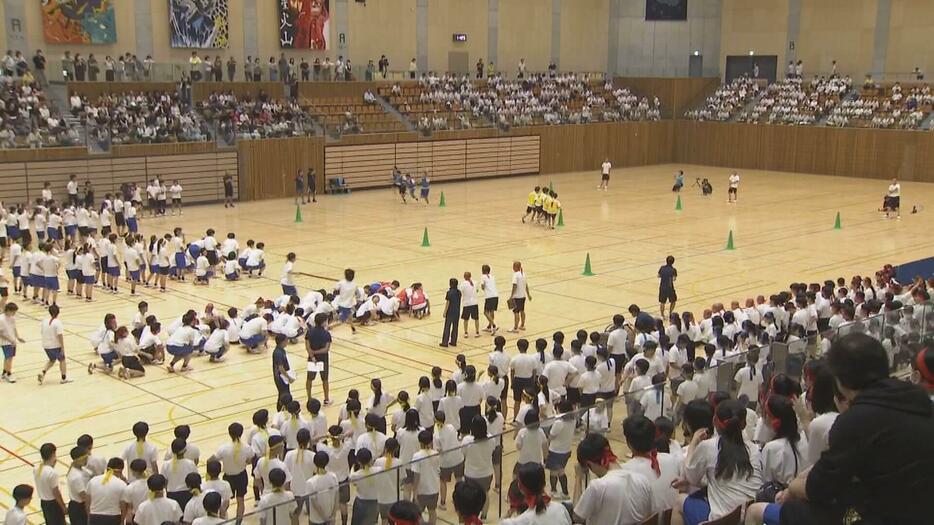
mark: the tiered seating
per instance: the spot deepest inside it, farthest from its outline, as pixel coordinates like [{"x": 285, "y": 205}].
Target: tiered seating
[
  {"x": 142, "y": 118},
  {"x": 878, "y": 106},
  {"x": 28, "y": 119},
  {"x": 727, "y": 101},
  {"x": 452, "y": 102},
  {"x": 249, "y": 118},
  {"x": 350, "y": 115},
  {"x": 797, "y": 102}
]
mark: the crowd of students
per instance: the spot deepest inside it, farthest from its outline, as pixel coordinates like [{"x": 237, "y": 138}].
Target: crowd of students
[
  {"x": 793, "y": 439},
  {"x": 141, "y": 118},
  {"x": 28, "y": 119}
]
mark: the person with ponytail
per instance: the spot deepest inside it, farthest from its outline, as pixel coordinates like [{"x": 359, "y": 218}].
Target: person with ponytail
[
  {"x": 470, "y": 304},
  {"x": 372, "y": 439},
  {"x": 142, "y": 449},
  {"x": 339, "y": 447},
  {"x": 436, "y": 389},
  {"x": 496, "y": 424},
  {"x": 426, "y": 465},
  {"x": 323, "y": 494},
  {"x": 272, "y": 461},
  {"x": 469, "y": 499},
  {"x": 176, "y": 470},
  {"x": 541, "y": 510},
  {"x": 388, "y": 488},
  {"x": 366, "y": 479},
  {"x": 786, "y": 455},
  {"x": 352, "y": 425},
  {"x": 660, "y": 468},
  {"x": 277, "y": 500},
  {"x": 444, "y": 440},
  {"x": 749, "y": 378},
  {"x": 471, "y": 395},
  {"x": 214, "y": 483},
  {"x": 158, "y": 509},
  {"x": 922, "y": 370},
  {"x": 559, "y": 448},
  {"x": 407, "y": 436},
  {"x": 194, "y": 509},
  {"x": 451, "y": 404},
  {"x": 501, "y": 360},
  {"x": 478, "y": 456},
  {"x": 398, "y": 417},
  {"x": 531, "y": 442},
  {"x": 235, "y": 456},
  {"x": 541, "y": 345},
  {"x": 730, "y": 465},
  {"x": 300, "y": 464},
  {"x": 423, "y": 403},
  {"x": 105, "y": 493},
  {"x": 379, "y": 403},
  {"x": 494, "y": 385}
]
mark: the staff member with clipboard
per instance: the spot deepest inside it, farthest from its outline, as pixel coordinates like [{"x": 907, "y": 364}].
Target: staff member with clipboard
[{"x": 318, "y": 344}]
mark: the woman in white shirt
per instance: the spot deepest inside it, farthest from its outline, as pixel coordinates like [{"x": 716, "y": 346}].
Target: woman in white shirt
[
  {"x": 730, "y": 465},
  {"x": 820, "y": 398},
  {"x": 471, "y": 394},
  {"x": 545, "y": 512},
  {"x": 379, "y": 403},
  {"x": 182, "y": 342},
  {"x": 478, "y": 456},
  {"x": 129, "y": 355},
  {"x": 786, "y": 455}
]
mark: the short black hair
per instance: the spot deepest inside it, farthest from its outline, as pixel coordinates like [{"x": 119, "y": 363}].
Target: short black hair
[
  {"x": 857, "y": 360},
  {"x": 404, "y": 510},
  {"x": 277, "y": 477},
  {"x": 156, "y": 482},
  {"x": 640, "y": 433},
  {"x": 469, "y": 497},
  {"x": 698, "y": 414},
  {"x": 212, "y": 502},
  {"x": 21, "y": 492},
  {"x": 591, "y": 448}
]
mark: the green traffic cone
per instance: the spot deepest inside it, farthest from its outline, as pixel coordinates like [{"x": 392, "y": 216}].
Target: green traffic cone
[
  {"x": 729, "y": 242},
  {"x": 551, "y": 186},
  {"x": 425, "y": 243},
  {"x": 442, "y": 204},
  {"x": 298, "y": 213},
  {"x": 587, "y": 271},
  {"x": 836, "y": 223},
  {"x": 561, "y": 218},
  {"x": 678, "y": 204}
]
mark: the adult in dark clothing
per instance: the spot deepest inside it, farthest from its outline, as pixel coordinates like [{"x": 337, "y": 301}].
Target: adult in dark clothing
[
  {"x": 666, "y": 285},
  {"x": 452, "y": 310},
  {"x": 880, "y": 459},
  {"x": 38, "y": 62}
]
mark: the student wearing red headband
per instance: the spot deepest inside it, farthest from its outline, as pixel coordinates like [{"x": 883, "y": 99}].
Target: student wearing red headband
[
  {"x": 923, "y": 374},
  {"x": 659, "y": 468},
  {"x": 614, "y": 495},
  {"x": 404, "y": 513},
  {"x": 469, "y": 498},
  {"x": 541, "y": 511},
  {"x": 729, "y": 464}
]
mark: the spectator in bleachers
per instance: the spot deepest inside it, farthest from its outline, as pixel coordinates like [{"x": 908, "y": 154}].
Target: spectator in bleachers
[
  {"x": 369, "y": 97},
  {"x": 260, "y": 118},
  {"x": 728, "y": 99},
  {"x": 383, "y": 66},
  {"x": 27, "y": 115},
  {"x": 81, "y": 67},
  {"x": 133, "y": 118}
]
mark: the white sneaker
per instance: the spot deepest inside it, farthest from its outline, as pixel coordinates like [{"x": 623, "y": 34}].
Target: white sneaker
[
  {"x": 66, "y": 381},
  {"x": 9, "y": 379}
]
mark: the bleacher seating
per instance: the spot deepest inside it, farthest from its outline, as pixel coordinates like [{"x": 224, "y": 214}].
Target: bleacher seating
[
  {"x": 142, "y": 117},
  {"x": 798, "y": 102},
  {"x": 885, "y": 106},
  {"x": 727, "y": 101},
  {"x": 29, "y": 120},
  {"x": 254, "y": 118},
  {"x": 341, "y": 115}
]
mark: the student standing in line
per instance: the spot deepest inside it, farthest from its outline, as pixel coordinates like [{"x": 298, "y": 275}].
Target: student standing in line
[
  {"x": 175, "y": 191},
  {"x": 318, "y": 345},
  {"x": 235, "y": 457},
  {"x": 50, "y": 496},
  {"x": 469, "y": 302},
  {"x": 53, "y": 342},
  {"x": 520, "y": 292},
  {"x": 605, "y": 175},
  {"x": 666, "y": 287},
  {"x": 491, "y": 299},
  {"x": 77, "y": 479},
  {"x": 452, "y": 307}
]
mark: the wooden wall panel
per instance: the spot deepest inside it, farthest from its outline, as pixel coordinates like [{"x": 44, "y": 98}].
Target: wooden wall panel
[
  {"x": 268, "y": 166},
  {"x": 675, "y": 94},
  {"x": 12, "y": 182}
]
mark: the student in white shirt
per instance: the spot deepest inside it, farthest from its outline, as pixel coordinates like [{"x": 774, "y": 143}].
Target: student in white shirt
[
  {"x": 218, "y": 343},
  {"x": 278, "y": 501},
  {"x": 235, "y": 457},
  {"x": 785, "y": 456},
  {"x": 749, "y": 378},
  {"x": 202, "y": 268},
  {"x": 47, "y": 486},
  {"x": 478, "y": 449},
  {"x": 522, "y": 368},
  {"x": 367, "y": 481},
  {"x": 255, "y": 261},
  {"x": 491, "y": 299},
  {"x": 53, "y": 342},
  {"x": 426, "y": 464},
  {"x": 175, "y": 191},
  {"x": 211, "y": 501},
  {"x": 322, "y": 487},
  {"x": 560, "y": 436},
  {"x": 182, "y": 342},
  {"x": 519, "y": 294},
  {"x": 105, "y": 492},
  {"x": 470, "y": 307},
  {"x": 22, "y": 496},
  {"x": 820, "y": 400},
  {"x": 605, "y": 175},
  {"x": 531, "y": 478},
  {"x": 613, "y": 495},
  {"x": 730, "y": 465},
  {"x": 734, "y": 188},
  {"x": 136, "y": 491},
  {"x": 661, "y": 469}
]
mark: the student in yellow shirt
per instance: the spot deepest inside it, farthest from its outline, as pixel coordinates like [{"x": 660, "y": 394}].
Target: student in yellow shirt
[
  {"x": 555, "y": 208},
  {"x": 530, "y": 207},
  {"x": 546, "y": 207}
]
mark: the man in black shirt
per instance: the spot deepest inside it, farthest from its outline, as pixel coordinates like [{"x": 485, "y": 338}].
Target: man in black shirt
[
  {"x": 452, "y": 310},
  {"x": 318, "y": 344},
  {"x": 38, "y": 61},
  {"x": 666, "y": 286}
]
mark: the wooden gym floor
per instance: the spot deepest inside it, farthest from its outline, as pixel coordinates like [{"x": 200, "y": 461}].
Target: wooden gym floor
[{"x": 783, "y": 232}]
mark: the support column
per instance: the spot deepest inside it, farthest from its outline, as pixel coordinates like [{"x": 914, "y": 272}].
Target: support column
[
  {"x": 556, "y": 33},
  {"x": 794, "y": 31},
  {"x": 14, "y": 14},
  {"x": 880, "y": 45},
  {"x": 612, "y": 54},
  {"x": 492, "y": 35},
  {"x": 142, "y": 15},
  {"x": 341, "y": 25},
  {"x": 421, "y": 34},
  {"x": 250, "y": 38}
]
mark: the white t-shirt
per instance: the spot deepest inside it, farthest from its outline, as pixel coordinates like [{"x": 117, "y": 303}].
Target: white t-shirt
[
  {"x": 529, "y": 444},
  {"x": 734, "y": 180},
  {"x": 281, "y": 502},
  {"x": 427, "y": 464},
  {"x": 724, "y": 495},
  {"x": 287, "y": 274},
  {"x": 346, "y": 294},
  {"x": 525, "y": 365},
  {"x": 157, "y": 511},
  {"x": 300, "y": 464},
  {"x": 135, "y": 493},
  {"x": 818, "y": 436},
  {"x": 106, "y": 497},
  {"x": 605, "y": 167},
  {"x": 663, "y": 494},
  {"x": 557, "y": 373},
  {"x": 478, "y": 457},
  {"x": 618, "y": 497},
  {"x": 51, "y": 330},
  {"x": 15, "y": 516},
  {"x": 488, "y": 284},
  {"x": 323, "y": 490},
  {"x": 749, "y": 380},
  {"x": 234, "y": 458},
  {"x": 519, "y": 281},
  {"x": 46, "y": 482},
  {"x": 780, "y": 463},
  {"x": 468, "y": 293},
  {"x": 895, "y": 190},
  {"x": 555, "y": 514}
]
